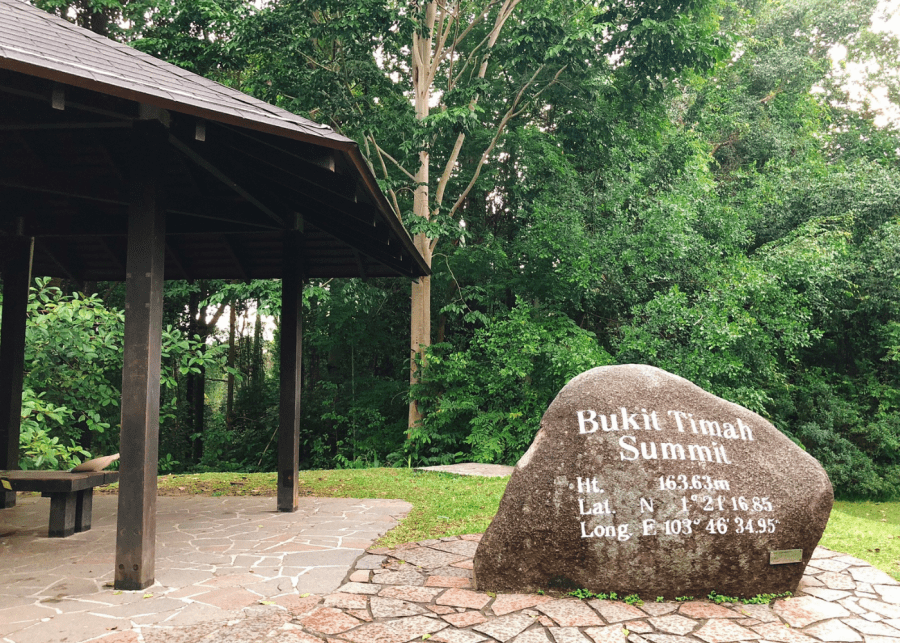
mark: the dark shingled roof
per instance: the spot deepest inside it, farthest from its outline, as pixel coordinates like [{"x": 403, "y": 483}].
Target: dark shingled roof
[
  {"x": 238, "y": 170},
  {"x": 43, "y": 45}
]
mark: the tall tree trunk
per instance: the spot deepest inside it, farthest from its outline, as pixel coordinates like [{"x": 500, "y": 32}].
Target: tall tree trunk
[
  {"x": 229, "y": 401},
  {"x": 198, "y": 403},
  {"x": 191, "y": 378},
  {"x": 420, "y": 325},
  {"x": 429, "y": 48}
]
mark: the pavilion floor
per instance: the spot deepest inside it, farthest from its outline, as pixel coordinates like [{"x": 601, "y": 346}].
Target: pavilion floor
[{"x": 215, "y": 557}]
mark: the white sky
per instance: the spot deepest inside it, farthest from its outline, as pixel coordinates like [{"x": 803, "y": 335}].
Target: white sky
[{"x": 886, "y": 19}]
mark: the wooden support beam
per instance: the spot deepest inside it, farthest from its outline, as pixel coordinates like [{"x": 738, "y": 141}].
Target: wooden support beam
[
  {"x": 76, "y": 185},
  {"x": 318, "y": 176},
  {"x": 46, "y": 127},
  {"x": 363, "y": 245},
  {"x": 113, "y": 253},
  {"x": 58, "y": 97},
  {"x": 16, "y": 268},
  {"x": 139, "y": 441},
  {"x": 362, "y": 216},
  {"x": 77, "y": 99},
  {"x": 197, "y": 158},
  {"x": 249, "y": 226},
  {"x": 84, "y": 187},
  {"x": 179, "y": 262},
  {"x": 307, "y": 152},
  {"x": 61, "y": 269},
  {"x": 360, "y": 261},
  {"x": 236, "y": 256},
  {"x": 291, "y": 351}
]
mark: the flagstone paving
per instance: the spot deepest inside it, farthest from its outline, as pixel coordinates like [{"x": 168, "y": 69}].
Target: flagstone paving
[
  {"x": 223, "y": 561},
  {"x": 240, "y": 589}
]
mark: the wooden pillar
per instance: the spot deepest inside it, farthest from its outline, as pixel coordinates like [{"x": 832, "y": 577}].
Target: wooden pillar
[
  {"x": 16, "y": 269},
  {"x": 291, "y": 350},
  {"x": 139, "y": 441}
]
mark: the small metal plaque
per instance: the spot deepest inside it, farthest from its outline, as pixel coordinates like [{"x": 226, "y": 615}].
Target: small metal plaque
[{"x": 784, "y": 556}]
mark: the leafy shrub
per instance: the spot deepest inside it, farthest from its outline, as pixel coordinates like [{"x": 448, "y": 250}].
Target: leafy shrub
[
  {"x": 73, "y": 356},
  {"x": 37, "y": 448},
  {"x": 485, "y": 401}
]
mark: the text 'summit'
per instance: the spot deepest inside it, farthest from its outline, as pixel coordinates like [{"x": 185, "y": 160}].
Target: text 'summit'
[{"x": 621, "y": 421}]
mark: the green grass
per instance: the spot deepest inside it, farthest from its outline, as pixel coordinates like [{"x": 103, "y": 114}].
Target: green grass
[
  {"x": 443, "y": 504},
  {"x": 447, "y": 505},
  {"x": 867, "y": 530}
]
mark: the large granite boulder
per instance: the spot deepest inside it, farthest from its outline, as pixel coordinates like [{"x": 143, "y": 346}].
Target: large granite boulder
[{"x": 641, "y": 482}]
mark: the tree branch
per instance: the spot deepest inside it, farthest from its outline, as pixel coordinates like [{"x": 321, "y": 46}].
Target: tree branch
[
  {"x": 510, "y": 113},
  {"x": 459, "y": 37},
  {"x": 448, "y": 170},
  {"x": 217, "y": 315},
  {"x": 444, "y": 22},
  {"x": 317, "y": 63},
  {"x": 503, "y": 15},
  {"x": 473, "y": 24},
  {"x": 491, "y": 39},
  {"x": 472, "y": 54},
  {"x": 391, "y": 158},
  {"x": 384, "y": 169}
]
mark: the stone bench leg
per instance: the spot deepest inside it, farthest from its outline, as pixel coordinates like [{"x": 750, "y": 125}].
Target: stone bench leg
[
  {"x": 62, "y": 514},
  {"x": 83, "y": 505}
]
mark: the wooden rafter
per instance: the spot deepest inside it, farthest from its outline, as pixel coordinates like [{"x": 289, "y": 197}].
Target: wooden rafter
[
  {"x": 43, "y": 247},
  {"x": 231, "y": 245},
  {"x": 207, "y": 165},
  {"x": 179, "y": 262}
]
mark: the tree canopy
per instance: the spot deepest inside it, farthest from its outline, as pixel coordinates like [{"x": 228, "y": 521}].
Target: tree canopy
[{"x": 688, "y": 184}]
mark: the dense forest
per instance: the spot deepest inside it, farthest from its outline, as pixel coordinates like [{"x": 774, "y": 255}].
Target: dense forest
[{"x": 708, "y": 187}]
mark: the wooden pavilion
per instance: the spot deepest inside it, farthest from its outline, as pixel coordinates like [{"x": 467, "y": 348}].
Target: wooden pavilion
[{"x": 117, "y": 166}]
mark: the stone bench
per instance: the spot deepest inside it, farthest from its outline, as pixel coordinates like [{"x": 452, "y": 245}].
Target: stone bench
[{"x": 71, "y": 495}]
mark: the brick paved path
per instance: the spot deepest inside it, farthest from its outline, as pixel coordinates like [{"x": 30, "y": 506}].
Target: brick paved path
[{"x": 422, "y": 592}]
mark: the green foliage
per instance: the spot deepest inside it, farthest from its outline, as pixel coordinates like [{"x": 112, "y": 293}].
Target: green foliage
[
  {"x": 37, "y": 448},
  {"x": 194, "y": 34},
  {"x": 168, "y": 464},
  {"x": 485, "y": 402},
  {"x": 182, "y": 355},
  {"x": 759, "y": 599},
  {"x": 585, "y": 594},
  {"x": 660, "y": 40},
  {"x": 73, "y": 355},
  {"x": 688, "y": 185},
  {"x": 355, "y": 373}
]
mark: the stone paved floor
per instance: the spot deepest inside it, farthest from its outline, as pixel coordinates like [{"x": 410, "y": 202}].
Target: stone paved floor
[
  {"x": 420, "y": 591},
  {"x": 218, "y": 559}
]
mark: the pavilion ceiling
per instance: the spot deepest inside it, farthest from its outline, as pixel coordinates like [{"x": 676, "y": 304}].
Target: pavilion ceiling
[{"x": 238, "y": 172}]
